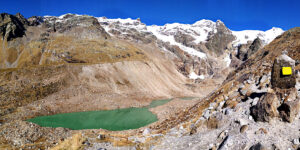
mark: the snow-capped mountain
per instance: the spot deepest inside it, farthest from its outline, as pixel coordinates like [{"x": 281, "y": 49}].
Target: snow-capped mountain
[
  {"x": 199, "y": 32},
  {"x": 203, "y": 48},
  {"x": 249, "y": 35}
]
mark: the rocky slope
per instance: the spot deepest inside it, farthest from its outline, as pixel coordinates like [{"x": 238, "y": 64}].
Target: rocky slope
[{"x": 255, "y": 108}]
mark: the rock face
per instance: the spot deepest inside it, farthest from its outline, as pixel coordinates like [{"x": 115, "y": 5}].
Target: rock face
[
  {"x": 21, "y": 18},
  {"x": 185, "y": 39},
  {"x": 246, "y": 50},
  {"x": 84, "y": 26},
  {"x": 219, "y": 41},
  {"x": 283, "y": 81},
  {"x": 35, "y": 20},
  {"x": 266, "y": 108},
  {"x": 11, "y": 26}
]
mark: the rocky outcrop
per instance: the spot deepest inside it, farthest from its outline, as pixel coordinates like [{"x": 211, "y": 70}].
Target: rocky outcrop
[
  {"x": 22, "y": 19},
  {"x": 266, "y": 108},
  {"x": 289, "y": 110},
  {"x": 11, "y": 26},
  {"x": 84, "y": 26},
  {"x": 218, "y": 42},
  {"x": 279, "y": 80},
  {"x": 185, "y": 39},
  {"x": 246, "y": 50},
  {"x": 35, "y": 20}
]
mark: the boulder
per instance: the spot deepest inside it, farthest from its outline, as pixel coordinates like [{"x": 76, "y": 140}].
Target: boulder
[
  {"x": 266, "y": 108},
  {"x": 279, "y": 80},
  {"x": 289, "y": 110},
  {"x": 243, "y": 128},
  {"x": 215, "y": 121}
]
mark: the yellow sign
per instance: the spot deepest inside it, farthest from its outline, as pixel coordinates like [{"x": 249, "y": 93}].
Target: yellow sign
[{"x": 286, "y": 71}]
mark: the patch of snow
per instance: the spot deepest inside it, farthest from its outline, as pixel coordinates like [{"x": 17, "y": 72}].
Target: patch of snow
[
  {"x": 194, "y": 76},
  {"x": 242, "y": 37},
  {"x": 169, "y": 38},
  {"x": 62, "y": 16}
]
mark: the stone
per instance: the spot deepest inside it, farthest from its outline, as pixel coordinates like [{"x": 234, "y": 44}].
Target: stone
[
  {"x": 289, "y": 110},
  {"x": 283, "y": 81},
  {"x": 221, "y": 104},
  {"x": 263, "y": 79},
  {"x": 223, "y": 134},
  {"x": 254, "y": 102},
  {"x": 243, "y": 128},
  {"x": 242, "y": 121},
  {"x": 226, "y": 98},
  {"x": 234, "y": 95},
  {"x": 266, "y": 108},
  {"x": 224, "y": 142},
  {"x": 231, "y": 104},
  {"x": 101, "y": 136},
  {"x": 206, "y": 114},
  {"x": 257, "y": 146},
  {"x": 213, "y": 148},
  {"x": 213, "y": 122},
  {"x": 193, "y": 129},
  {"x": 147, "y": 131},
  {"x": 296, "y": 141},
  {"x": 261, "y": 131},
  {"x": 243, "y": 92},
  {"x": 228, "y": 111}
]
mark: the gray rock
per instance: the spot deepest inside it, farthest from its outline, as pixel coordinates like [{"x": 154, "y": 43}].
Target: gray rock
[
  {"x": 221, "y": 104},
  {"x": 206, "y": 114},
  {"x": 243, "y": 92},
  {"x": 255, "y": 100},
  {"x": 226, "y": 98},
  {"x": 101, "y": 136},
  {"x": 266, "y": 108},
  {"x": 228, "y": 111},
  {"x": 147, "y": 131},
  {"x": 224, "y": 142},
  {"x": 289, "y": 110},
  {"x": 283, "y": 81},
  {"x": 223, "y": 134},
  {"x": 263, "y": 79},
  {"x": 296, "y": 141}
]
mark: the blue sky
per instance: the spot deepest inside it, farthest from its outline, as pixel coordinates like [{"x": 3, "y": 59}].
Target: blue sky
[{"x": 236, "y": 14}]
